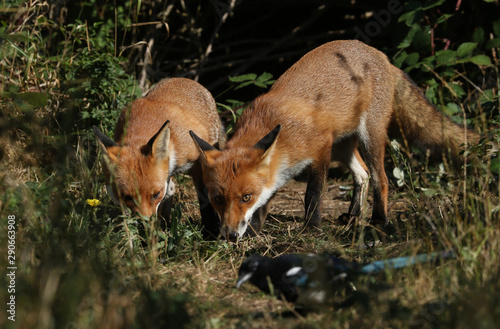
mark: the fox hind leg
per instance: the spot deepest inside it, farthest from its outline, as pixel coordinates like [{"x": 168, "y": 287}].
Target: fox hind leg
[
  {"x": 372, "y": 147},
  {"x": 360, "y": 174},
  {"x": 347, "y": 153}
]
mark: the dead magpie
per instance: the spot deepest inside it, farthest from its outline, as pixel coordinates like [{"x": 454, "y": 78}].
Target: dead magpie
[{"x": 312, "y": 279}]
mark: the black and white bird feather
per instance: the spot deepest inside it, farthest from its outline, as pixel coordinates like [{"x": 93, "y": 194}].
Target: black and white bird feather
[{"x": 314, "y": 279}]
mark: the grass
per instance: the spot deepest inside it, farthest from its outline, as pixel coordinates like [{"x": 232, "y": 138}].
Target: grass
[{"x": 80, "y": 266}]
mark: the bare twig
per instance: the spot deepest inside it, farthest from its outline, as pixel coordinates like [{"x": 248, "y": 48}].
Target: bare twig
[
  {"x": 167, "y": 27},
  {"x": 223, "y": 19},
  {"x": 146, "y": 61},
  {"x": 132, "y": 46},
  {"x": 263, "y": 54},
  {"x": 473, "y": 84}
]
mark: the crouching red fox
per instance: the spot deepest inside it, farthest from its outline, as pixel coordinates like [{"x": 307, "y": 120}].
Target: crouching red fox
[
  {"x": 339, "y": 98},
  {"x": 152, "y": 144}
]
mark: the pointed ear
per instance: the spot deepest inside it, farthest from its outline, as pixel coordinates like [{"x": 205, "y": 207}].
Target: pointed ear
[
  {"x": 109, "y": 158},
  {"x": 105, "y": 140},
  {"x": 159, "y": 143},
  {"x": 202, "y": 145},
  {"x": 268, "y": 140},
  {"x": 268, "y": 144}
]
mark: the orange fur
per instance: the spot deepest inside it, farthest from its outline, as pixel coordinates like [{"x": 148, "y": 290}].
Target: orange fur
[
  {"x": 148, "y": 152},
  {"x": 339, "y": 97}
]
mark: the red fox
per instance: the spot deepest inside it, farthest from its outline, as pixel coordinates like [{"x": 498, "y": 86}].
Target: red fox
[
  {"x": 151, "y": 144},
  {"x": 338, "y": 98}
]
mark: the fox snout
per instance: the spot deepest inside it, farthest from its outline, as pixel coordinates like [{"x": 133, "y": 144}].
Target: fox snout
[
  {"x": 233, "y": 237},
  {"x": 232, "y": 220},
  {"x": 147, "y": 210},
  {"x": 235, "y": 233}
]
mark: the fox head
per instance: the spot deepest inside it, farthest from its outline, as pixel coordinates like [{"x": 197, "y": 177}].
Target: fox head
[
  {"x": 239, "y": 180},
  {"x": 137, "y": 176}
]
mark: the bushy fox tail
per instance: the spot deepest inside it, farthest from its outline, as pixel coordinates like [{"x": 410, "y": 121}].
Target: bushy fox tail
[{"x": 416, "y": 120}]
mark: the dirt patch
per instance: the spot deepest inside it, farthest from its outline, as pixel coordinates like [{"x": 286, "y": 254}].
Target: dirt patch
[{"x": 288, "y": 203}]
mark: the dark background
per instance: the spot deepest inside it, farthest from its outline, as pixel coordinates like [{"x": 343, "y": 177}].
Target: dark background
[{"x": 262, "y": 35}]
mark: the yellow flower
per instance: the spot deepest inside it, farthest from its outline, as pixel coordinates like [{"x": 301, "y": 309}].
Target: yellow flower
[{"x": 93, "y": 202}]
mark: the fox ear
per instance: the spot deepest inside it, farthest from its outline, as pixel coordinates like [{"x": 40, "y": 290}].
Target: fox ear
[
  {"x": 109, "y": 158},
  {"x": 202, "y": 145},
  {"x": 159, "y": 143},
  {"x": 105, "y": 140},
  {"x": 268, "y": 143}
]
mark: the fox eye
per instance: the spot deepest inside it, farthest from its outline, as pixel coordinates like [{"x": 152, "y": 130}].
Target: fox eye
[
  {"x": 156, "y": 195},
  {"x": 246, "y": 197},
  {"x": 128, "y": 199},
  {"x": 218, "y": 199}
]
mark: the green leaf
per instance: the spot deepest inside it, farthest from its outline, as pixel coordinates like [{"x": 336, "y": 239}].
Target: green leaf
[
  {"x": 452, "y": 108},
  {"x": 448, "y": 72},
  {"x": 486, "y": 96},
  {"x": 429, "y": 61},
  {"x": 244, "y": 84},
  {"x": 409, "y": 37},
  {"x": 445, "y": 57},
  {"x": 399, "y": 60},
  {"x": 431, "y": 82},
  {"x": 412, "y": 58},
  {"x": 244, "y": 77},
  {"x": 459, "y": 91},
  {"x": 411, "y": 67},
  {"x": 430, "y": 94},
  {"x": 233, "y": 103},
  {"x": 408, "y": 18},
  {"x": 480, "y": 60},
  {"x": 422, "y": 40},
  {"x": 264, "y": 77},
  {"x": 466, "y": 48},
  {"x": 432, "y": 4},
  {"x": 493, "y": 43},
  {"x": 496, "y": 27},
  {"x": 260, "y": 84},
  {"x": 443, "y": 18},
  {"x": 478, "y": 35}
]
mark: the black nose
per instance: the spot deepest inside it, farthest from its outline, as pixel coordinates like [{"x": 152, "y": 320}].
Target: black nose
[{"x": 232, "y": 237}]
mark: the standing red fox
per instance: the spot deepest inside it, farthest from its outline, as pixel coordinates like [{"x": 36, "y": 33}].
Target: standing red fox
[
  {"x": 152, "y": 144},
  {"x": 339, "y": 97}
]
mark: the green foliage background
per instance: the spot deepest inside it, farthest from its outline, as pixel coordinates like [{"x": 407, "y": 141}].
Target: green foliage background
[{"x": 68, "y": 65}]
